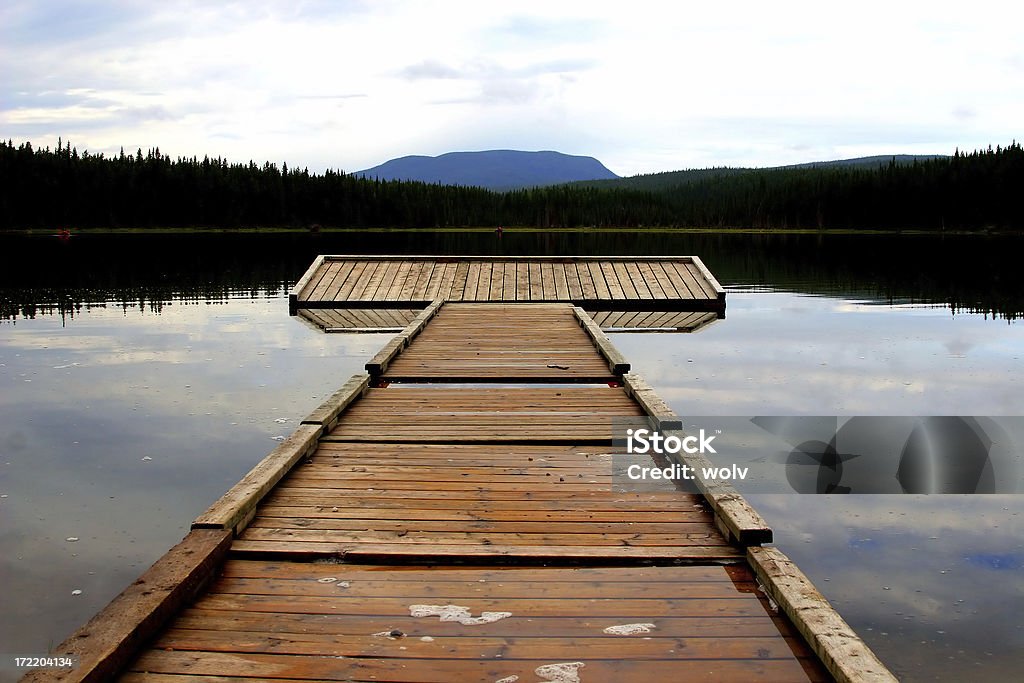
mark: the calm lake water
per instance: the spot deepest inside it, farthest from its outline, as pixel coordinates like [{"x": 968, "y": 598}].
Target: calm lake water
[{"x": 141, "y": 376}]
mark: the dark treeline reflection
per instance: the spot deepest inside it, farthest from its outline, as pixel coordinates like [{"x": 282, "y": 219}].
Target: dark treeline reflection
[{"x": 47, "y": 275}]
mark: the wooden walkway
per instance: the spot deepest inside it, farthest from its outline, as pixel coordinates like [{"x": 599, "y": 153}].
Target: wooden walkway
[
  {"x": 428, "y": 523},
  {"x": 678, "y": 284}
]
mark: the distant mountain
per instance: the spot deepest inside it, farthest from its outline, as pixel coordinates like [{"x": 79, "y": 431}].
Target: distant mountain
[
  {"x": 878, "y": 160},
  {"x": 500, "y": 169},
  {"x": 668, "y": 179}
]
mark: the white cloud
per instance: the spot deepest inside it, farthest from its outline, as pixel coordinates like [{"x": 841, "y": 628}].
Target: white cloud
[{"x": 648, "y": 88}]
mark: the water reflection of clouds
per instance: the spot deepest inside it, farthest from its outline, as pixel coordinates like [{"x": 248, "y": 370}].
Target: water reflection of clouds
[
  {"x": 825, "y": 361},
  {"x": 194, "y": 389},
  {"x": 925, "y": 579}
]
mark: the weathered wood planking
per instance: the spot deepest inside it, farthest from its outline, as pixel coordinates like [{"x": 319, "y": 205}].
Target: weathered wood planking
[
  {"x": 412, "y": 281},
  {"x": 582, "y": 414},
  {"x": 331, "y": 622},
  {"x": 544, "y": 482},
  {"x": 499, "y": 342}
]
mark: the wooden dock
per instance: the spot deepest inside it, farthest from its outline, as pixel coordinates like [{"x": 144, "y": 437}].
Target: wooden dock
[
  {"x": 676, "y": 284},
  {"x": 450, "y": 515}
]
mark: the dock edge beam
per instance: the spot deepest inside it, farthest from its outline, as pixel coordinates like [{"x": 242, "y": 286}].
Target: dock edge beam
[
  {"x": 840, "y": 649},
  {"x": 111, "y": 639}
]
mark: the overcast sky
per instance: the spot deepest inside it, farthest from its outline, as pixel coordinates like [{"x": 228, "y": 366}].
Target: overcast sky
[{"x": 642, "y": 86}]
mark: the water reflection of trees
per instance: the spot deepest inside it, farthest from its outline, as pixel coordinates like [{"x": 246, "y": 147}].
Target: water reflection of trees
[
  {"x": 28, "y": 304},
  {"x": 965, "y": 273}
]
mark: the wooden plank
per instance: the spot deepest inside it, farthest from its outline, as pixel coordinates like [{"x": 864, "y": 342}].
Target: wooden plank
[
  {"x": 447, "y": 282},
  {"x": 307, "y": 277},
  {"x": 427, "y": 552},
  {"x": 108, "y": 641},
  {"x": 483, "y": 289},
  {"x": 638, "y": 280},
  {"x": 684, "y": 278},
  {"x": 573, "y": 281},
  {"x": 536, "y": 281},
  {"x": 322, "y": 280},
  {"x": 663, "y": 416},
  {"x": 235, "y": 508},
  {"x": 353, "y": 278},
  {"x": 651, "y": 281},
  {"x": 522, "y": 282},
  {"x": 715, "y": 285},
  {"x": 625, "y": 281},
  {"x": 611, "y": 278},
  {"x": 844, "y": 654},
  {"x": 459, "y": 282},
  {"x": 420, "y": 289},
  {"x": 394, "y": 290},
  {"x": 417, "y": 324},
  {"x": 381, "y": 281},
  {"x": 561, "y": 281},
  {"x": 733, "y": 514},
  {"x": 666, "y": 280},
  {"x": 601, "y": 290},
  {"x": 326, "y": 415},
  {"x": 411, "y": 280},
  {"x": 412, "y": 670},
  {"x": 737, "y": 575},
  {"x": 379, "y": 363},
  {"x": 616, "y": 361},
  {"x": 547, "y": 279},
  {"x": 333, "y": 291},
  {"x": 472, "y": 281},
  {"x": 364, "y": 280},
  {"x": 509, "y": 282}
]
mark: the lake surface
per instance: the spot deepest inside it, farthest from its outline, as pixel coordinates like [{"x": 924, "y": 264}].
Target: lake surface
[{"x": 141, "y": 376}]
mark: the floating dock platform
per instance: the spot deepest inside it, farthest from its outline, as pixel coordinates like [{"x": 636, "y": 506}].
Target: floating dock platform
[{"x": 450, "y": 515}]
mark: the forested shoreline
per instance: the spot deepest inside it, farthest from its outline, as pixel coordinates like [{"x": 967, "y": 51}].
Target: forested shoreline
[{"x": 59, "y": 188}]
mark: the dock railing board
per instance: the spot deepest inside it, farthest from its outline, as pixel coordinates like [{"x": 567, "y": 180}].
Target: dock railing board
[{"x": 479, "y": 494}]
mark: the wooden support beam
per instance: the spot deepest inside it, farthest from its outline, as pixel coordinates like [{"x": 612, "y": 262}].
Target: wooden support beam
[
  {"x": 293, "y": 295},
  {"x": 663, "y": 416},
  {"x": 327, "y": 414},
  {"x": 734, "y": 516},
  {"x": 235, "y": 508},
  {"x": 840, "y": 649},
  {"x": 110, "y": 640},
  {"x": 379, "y": 363},
  {"x": 616, "y": 361},
  {"x": 719, "y": 290}
]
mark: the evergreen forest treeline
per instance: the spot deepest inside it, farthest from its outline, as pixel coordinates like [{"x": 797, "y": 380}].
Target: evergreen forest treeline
[{"x": 60, "y": 188}]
